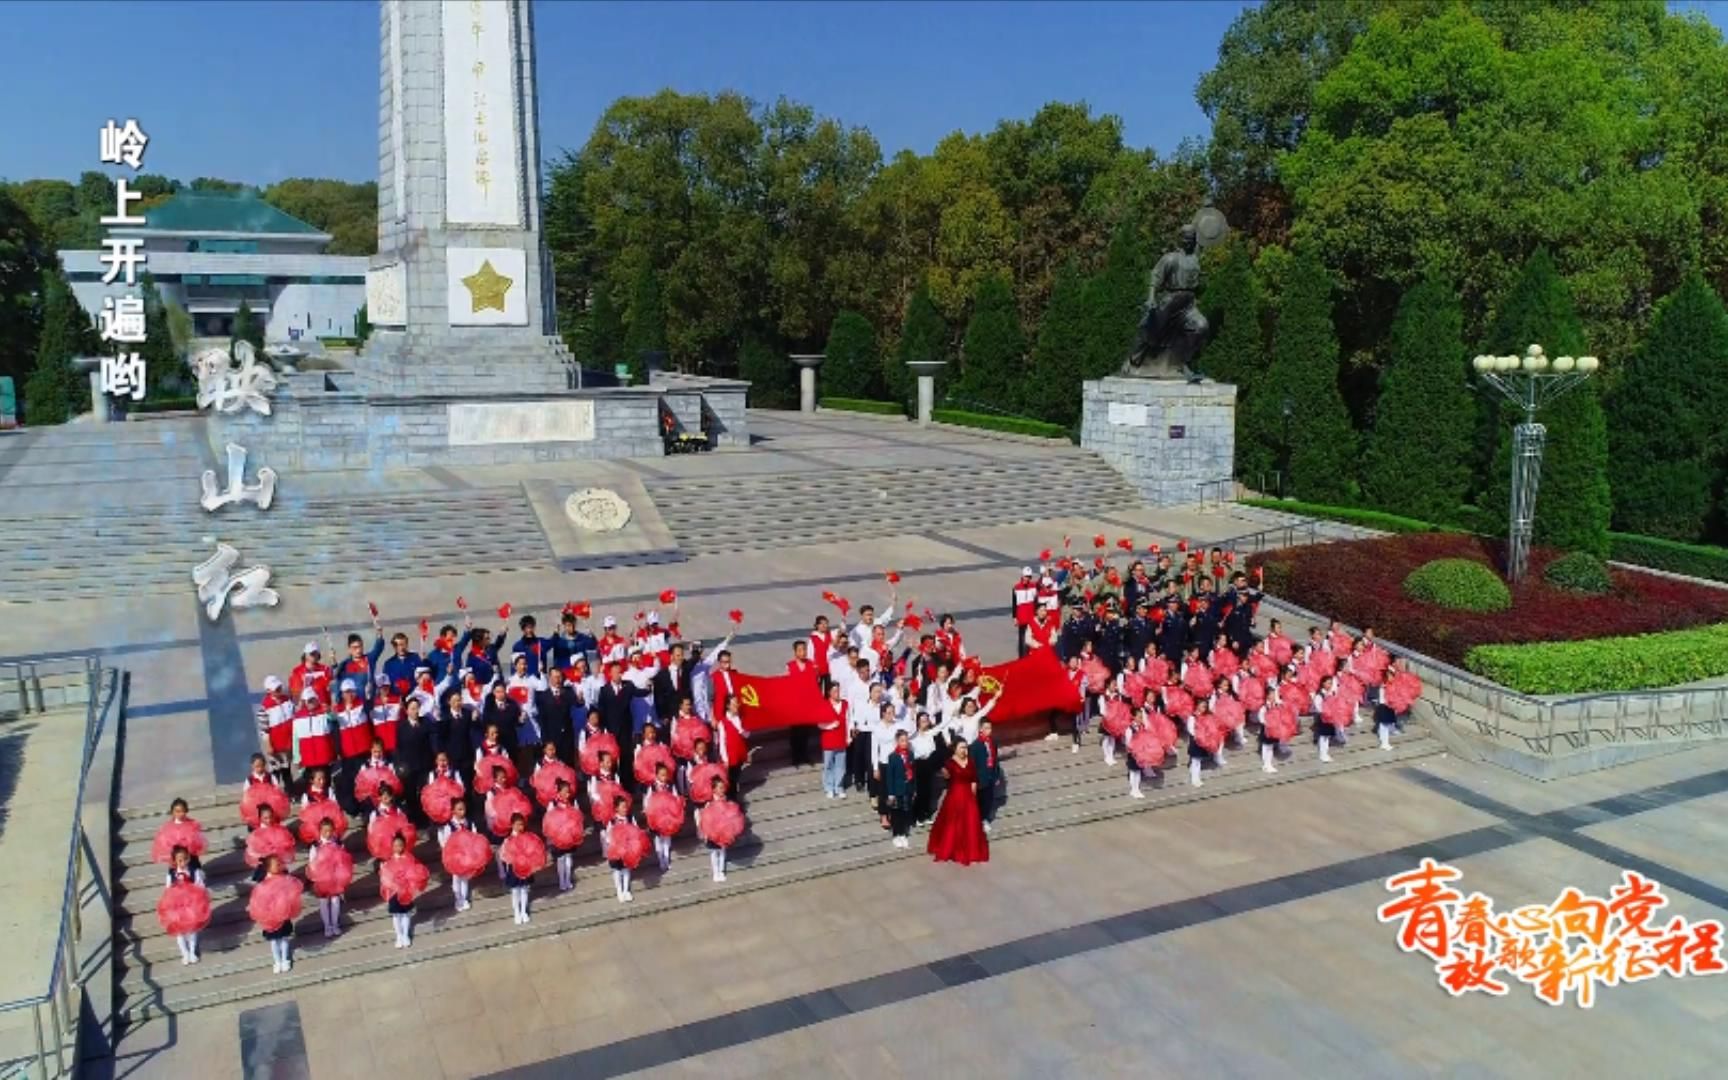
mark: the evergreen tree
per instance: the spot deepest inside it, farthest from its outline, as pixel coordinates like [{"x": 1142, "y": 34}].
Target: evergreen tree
[
  {"x": 604, "y": 333},
  {"x": 1572, "y": 500},
  {"x": 165, "y": 372},
  {"x": 993, "y": 362},
  {"x": 1114, "y": 299},
  {"x": 1236, "y": 354},
  {"x": 246, "y": 325},
  {"x": 923, "y": 336},
  {"x": 1667, "y": 417},
  {"x": 853, "y": 368},
  {"x": 55, "y": 390},
  {"x": 362, "y": 324},
  {"x": 1059, "y": 358},
  {"x": 1305, "y": 369},
  {"x": 773, "y": 379},
  {"x": 647, "y": 330},
  {"x": 1422, "y": 445}
]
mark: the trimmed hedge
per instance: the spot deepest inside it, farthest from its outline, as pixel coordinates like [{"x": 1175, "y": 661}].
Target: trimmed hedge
[
  {"x": 1350, "y": 515},
  {"x": 167, "y": 404},
  {"x": 1579, "y": 571},
  {"x": 1693, "y": 560},
  {"x": 1461, "y": 584},
  {"x": 1013, "y": 425},
  {"x": 1602, "y": 665},
  {"x": 877, "y": 408}
]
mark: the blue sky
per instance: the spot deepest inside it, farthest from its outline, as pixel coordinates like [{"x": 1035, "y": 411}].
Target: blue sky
[{"x": 265, "y": 89}]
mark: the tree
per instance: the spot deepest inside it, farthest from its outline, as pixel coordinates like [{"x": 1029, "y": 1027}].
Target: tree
[
  {"x": 993, "y": 359},
  {"x": 1114, "y": 298},
  {"x": 348, "y": 212},
  {"x": 1058, "y": 359},
  {"x": 1666, "y": 417},
  {"x": 1304, "y": 370},
  {"x": 773, "y": 380},
  {"x": 1236, "y": 354},
  {"x": 180, "y": 328},
  {"x": 923, "y": 337},
  {"x": 362, "y": 324},
  {"x": 25, "y": 262},
  {"x": 55, "y": 390},
  {"x": 1572, "y": 500},
  {"x": 247, "y": 328},
  {"x": 1423, "y": 444},
  {"x": 605, "y": 331},
  {"x": 853, "y": 368},
  {"x": 646, "y": 333},
  {"x": 165, "y": 370}
]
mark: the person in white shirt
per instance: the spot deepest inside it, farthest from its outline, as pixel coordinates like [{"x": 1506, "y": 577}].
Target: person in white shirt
[
  {"x": 862, "y": 705},
  {"x": 860, "y": 632},
  {"x": 964, "y": 723},
  {"x": 701, "y": 681}
]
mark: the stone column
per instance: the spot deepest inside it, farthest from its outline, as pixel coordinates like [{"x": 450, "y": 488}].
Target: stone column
[
  {"x": 807, "y": 365},
  {"x": 926, "y": 371},
  {"x": 99, "y": 406}
]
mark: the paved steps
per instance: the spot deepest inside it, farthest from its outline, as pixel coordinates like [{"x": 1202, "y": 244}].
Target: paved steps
[
  {"x": 794, "y": 834},
  {"x": 780, "y": 509}
]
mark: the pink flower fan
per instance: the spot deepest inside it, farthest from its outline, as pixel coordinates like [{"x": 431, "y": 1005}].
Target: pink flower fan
[
  {"x": 184, "y": 908},
  {"x": 1282, "y": 649},
  {"x": 1157, "y": 671},
  {"x": 1147, "y": 749},
  {"x": 665, "y": 812},
  {"x": 1117, "y": 716},
  {"x": 1253, "y": 694},
  {"x": 702, "y": 781},
  {"x": 1197, "y": 680},
  {"x": 437, "y": 797},
  {"x": 382, "y": 833},
  {"x": 1338, "y": 710},
  {"x": 1134, "y": 686},
  {"x": 546, "y": 777},
  {"x": 590, "y": 756},
  {"x": 1178, "y": 703},
  {"x": 1164, "y": 727},
  {"x": 1349, "y": 686},
  {"x": 1262, "y": 666},
  {"x": 1229, "y": 712},
  {"x": 1402, "y": 690},
  {"x": 373, "y": 777},
  {"x": 187, "y": 834},
  {"x": 275, "y": 900},
  {"x": 684, "y": 736},
  {"x": 257, "y": 795},
  {"x": 604, "y": 802},
  {"x": 563, "y": 827},
  {"x": 268, "y": 840},
  {"x": 504, "y": 805},
  {"x": 1225, "y": 665},
  {"x": 1280, "y": 723},
  {"x": 466, "y": 853},
  {"x": 626, "y": 842},
  {"x": 402, "y": 878},
  {"x": 331, "y": 869},
  {"x": 483, "y": 772},
  {"x": 314, "y": 815},
  {"x": 524, "y": 853},
  {"x": 1208, "y": 733},
  {"x": 1097, "y": 675},
  {"x": 649, "y": 758},
  {"x": 722, "y": 823}
]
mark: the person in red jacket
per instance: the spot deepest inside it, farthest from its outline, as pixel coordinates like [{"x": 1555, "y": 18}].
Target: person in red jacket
[
  {"x": 354, "y": 737},
  {"x": 1041, "y": 632},
  {"x": 1023, "y": 603},
  {"x": 801, "y": 734},
  {"x": 276, "y": 724},
  {"x": 314, "y": 738},
  {"x": 834, "y": 727},
  {"x": 310, "y": 672}
]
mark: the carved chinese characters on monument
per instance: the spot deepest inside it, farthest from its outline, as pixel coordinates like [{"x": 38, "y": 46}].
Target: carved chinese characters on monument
[
  {"x": 386, "y": 304},
  {"x": 480, "y": 159},
  {"x": 487, "y": 286}
]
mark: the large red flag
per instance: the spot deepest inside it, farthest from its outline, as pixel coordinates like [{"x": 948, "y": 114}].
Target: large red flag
[
  {"x": 778, "y": 701},
  {"x": 1031, "y": 687}
]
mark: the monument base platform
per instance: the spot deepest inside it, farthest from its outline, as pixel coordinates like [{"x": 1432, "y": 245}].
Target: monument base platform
[
  {"x": 1166, "y": 437},
  {"x": 323, "y": 421}
]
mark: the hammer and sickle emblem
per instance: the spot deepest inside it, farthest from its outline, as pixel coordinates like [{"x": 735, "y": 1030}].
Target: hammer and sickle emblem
[
  {"x": 750, "y": 697},
  {"x": 990, "y": 685}
]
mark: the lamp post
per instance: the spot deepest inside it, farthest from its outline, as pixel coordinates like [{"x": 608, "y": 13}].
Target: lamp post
[
  {"x": 807, "y": 363},
  {"x": 1287, "y": 410},
  {"x": 1529, "y": 382}
]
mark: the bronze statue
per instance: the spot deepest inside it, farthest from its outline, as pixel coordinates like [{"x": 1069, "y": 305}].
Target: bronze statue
[{"x": 1172, "y": 330}]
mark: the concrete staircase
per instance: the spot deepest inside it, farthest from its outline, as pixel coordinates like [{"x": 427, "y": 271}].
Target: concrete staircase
[
  {"x": 794, "y": 834},
  {"x": 789, "y": 508},
  {"x": 47, "y": 557}
]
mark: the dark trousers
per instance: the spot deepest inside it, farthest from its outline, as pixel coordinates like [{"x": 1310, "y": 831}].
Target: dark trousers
[
  {"x": 925, "y": 771},
  {"x": 900, "y": 821},
  {"x": 412, "y": 781},
  {"x": 858, "y": 768},
  {"x": 734, "y": 783},
  {"x": 342, "y": 781},
  {"x": 987, "y": 801},
  {"x": 1020, "y": 638},
  {"x": 800, "y": 737},
  {"x": 526, "y": 756}
]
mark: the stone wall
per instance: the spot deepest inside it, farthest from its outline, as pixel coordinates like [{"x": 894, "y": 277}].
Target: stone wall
[
  {"x": 1165, "y": 437},
  {"x": 724, "y": 399}
]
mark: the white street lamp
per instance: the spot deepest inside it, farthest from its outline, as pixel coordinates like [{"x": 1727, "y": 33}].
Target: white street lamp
[{"x": 1529, "y": 382}]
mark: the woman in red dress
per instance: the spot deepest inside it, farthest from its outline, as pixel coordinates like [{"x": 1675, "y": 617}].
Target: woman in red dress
[{"x": 958, "y": 835}]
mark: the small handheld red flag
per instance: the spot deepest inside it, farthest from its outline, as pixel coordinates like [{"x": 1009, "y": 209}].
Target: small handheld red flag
[
  {"x": 1065, "y": 543},
  {"x": 640, "y": 615},
  {"x": 1099, "y": 541},
  {"x": 1154, "y": 549},
  {"x": 1260, "y": 573},
  {"x": 668, "y": 596},
  {"x": 1044, "y": 556},
  {"x": 1126, "y": 544},
  {"x": 582, "y": 609},
  {"x": 503, "y": 611},
  {"x": 373, "y": 608},
  {"x": 736, "y": 616},
  {"x": 1098, "y": 563},
  {"x": 461, "y": 604},
  {"x": 893, "y": 578},
  {"x": 914, "y": 622},
  {"x": 1181, "y": 545},
  {"x": 425, "y": 628}
]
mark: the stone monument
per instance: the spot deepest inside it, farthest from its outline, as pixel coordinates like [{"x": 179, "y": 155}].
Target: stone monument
[
  {"x": 1163, "y": 427},
  {"x": 464, "y": 365}
]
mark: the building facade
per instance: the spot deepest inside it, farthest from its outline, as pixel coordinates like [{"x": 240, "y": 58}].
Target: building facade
[{"x": 209, "y": 252}]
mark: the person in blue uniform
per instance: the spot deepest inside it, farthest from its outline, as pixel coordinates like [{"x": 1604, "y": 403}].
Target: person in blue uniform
[
  {"x": 1173, "y": 631},
  {"x": 988, "y": 761},
  {"x": 900, "y": 788}
]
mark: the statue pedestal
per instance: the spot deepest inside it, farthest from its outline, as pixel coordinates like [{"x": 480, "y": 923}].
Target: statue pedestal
[{"x": 1167, "y": 437}]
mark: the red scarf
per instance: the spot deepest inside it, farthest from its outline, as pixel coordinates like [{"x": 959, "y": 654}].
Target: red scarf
[
  {"x": 990, "y": 746},
  {"x": 906, "y": 762}
]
